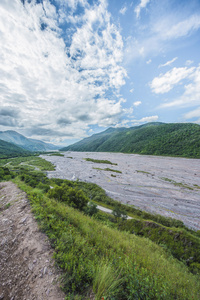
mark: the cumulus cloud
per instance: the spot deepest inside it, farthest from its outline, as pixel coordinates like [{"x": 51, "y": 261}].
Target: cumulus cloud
[
  {"x": 142, "y": 4},
  {"x": 137, "y": 103},
  {"x": 168, "y": 63},
  {"x": 61, "y": 83},
  {"x": 191, "y": 95},
  {"x": 165, "y": 82}
]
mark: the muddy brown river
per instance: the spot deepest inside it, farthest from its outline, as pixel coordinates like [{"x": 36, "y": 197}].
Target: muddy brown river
[{"x": 165, "y": 185}]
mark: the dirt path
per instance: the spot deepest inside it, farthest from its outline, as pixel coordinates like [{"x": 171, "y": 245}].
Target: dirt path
[{"x": 27, "y": 271}]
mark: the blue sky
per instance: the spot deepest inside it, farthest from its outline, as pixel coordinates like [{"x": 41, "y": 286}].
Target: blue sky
[{"x": 71, "y": 68}]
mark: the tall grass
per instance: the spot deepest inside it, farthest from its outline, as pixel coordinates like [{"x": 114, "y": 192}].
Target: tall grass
[
  {"x": 106, "y": 280},
  {"x": 85, "y": 250}
]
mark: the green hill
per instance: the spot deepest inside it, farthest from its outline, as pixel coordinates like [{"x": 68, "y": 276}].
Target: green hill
[
  {"x": 11, "y": 150},
  {"x": 18, "y": 139},
  {"x": 175, "y": 139}
]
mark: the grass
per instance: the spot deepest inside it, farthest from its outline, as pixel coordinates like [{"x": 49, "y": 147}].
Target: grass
[
  {"x": 99, "y": 255},
  {"x": 56, "y": 154},
  {"x": 106, "y": 279},
  {"x": 29, "y": 162},
  {"x": 100, "y": 161},
  {"x": 186, "y": 186},
  {"x": 144, "y": 172},
  {"x": 108, "y": 169},
  {"x": 85, "y": 250},
  {"x": 7, "y": 205}
]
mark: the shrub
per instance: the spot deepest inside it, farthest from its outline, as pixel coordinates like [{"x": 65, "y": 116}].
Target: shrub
[
  {"x": 71, "y": 196},
  {"x": 91, "y": 209}
]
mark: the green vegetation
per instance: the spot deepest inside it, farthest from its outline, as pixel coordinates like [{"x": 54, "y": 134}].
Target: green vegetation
[
  {"x": 24, "y": 143},
  {"x": 176, "y": 139},
  {"x": 90, "y": 252},
  {"x": 119, "y": 213},
  {"x": 186, "y": 186},
  {"x": 29, "y": 163},
  {"x": 178, "y": 242},
  {"x": 100, "y": 161},
  {"x": 144, "y": 172},
  {"x": 56, "y": 154},
  {"x": 108, "y": 169},
  {"x": 96, "y": 194},
  {"x": 7, "y": 205},
  {"x": 107, "y": 255},
  {"x": 6, "y": 174},
  {"x": 70, "y": 196},
  {"x": 10, "y": 150}
]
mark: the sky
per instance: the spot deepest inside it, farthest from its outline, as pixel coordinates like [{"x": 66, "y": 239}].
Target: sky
[{"x": 73, "y": 68}]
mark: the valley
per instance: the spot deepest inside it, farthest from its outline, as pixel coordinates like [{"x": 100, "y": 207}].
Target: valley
[{"x": 164, "y": 185}]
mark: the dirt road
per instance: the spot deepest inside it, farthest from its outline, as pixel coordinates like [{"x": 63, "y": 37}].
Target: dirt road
[
  {"x": 164, "y": 185},
  {"x": 27, "y": 270}
]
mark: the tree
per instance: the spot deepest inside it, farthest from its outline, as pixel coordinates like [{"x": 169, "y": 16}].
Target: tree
[
  {"x": 119, "y": 212},
  {"x": 71, "y": 196},
  {"x": 91, "y": 209}
]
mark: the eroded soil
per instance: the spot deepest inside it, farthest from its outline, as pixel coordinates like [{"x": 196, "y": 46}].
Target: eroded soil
[
  {"x": 27, "y": 271},
  {"x": 165, "y": 185}
]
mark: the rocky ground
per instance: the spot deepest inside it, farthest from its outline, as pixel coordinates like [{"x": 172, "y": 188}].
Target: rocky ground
[
  {"x": 165, "y": 185},
  {"x": 27, "y": 271}
]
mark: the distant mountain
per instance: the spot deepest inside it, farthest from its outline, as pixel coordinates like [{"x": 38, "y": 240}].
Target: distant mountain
[
  {"x": 175, "y": 139},
  {"x": 11, "y": 150},
  {"x": 25, "y": 143}
]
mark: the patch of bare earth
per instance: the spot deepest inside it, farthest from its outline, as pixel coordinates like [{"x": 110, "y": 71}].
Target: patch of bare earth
[{"x": 27, "y": 270}]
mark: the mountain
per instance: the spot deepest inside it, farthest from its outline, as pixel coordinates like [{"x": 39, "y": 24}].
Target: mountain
[
  {"x": 11, "y": 150},
  {"x": 175, "y": 139},
  {"x": 25, "y": 143}
]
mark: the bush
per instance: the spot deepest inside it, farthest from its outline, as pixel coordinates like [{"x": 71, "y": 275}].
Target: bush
[
  {"x": 91, "y": 209},
  {"x": 6, "y": 174},
  {"x": 71, "y": 196},
  {"x": 119, "y": 213}
]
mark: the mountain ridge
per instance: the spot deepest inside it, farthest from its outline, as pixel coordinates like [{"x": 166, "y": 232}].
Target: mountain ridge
[
  {"x": 11, "y": 150},
  {"x": 170, "y": 139},
  {"x": 18, "y": 139}
]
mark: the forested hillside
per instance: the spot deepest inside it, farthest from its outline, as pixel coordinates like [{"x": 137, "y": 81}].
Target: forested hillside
[
  {"x": 18, "y": 139},
  {"x": 10, "y": 150},
  {"x": 176, "y": 139}
]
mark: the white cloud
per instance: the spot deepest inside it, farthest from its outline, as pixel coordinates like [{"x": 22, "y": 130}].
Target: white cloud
[
  {"x": 193, "y": 114},
  {"x": 189, "y": 62},
  {"x": 146, "y": 120},
  {"x": 132, "y": 90},
  {"x": 181, "y": 28},
  {"x": 160, "y": 34},
  {"x": 165, "y": 82},
  {"x": 191, "y": 94},
  {"x": 148, "y": 61},
  {"x": 59, "y": 83},
  {"x": 143, "y": 4},
  {"x": 168, "y": 63},
  {"x": 137, "y": 103},
  {"x": 123, "y": 10}
]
